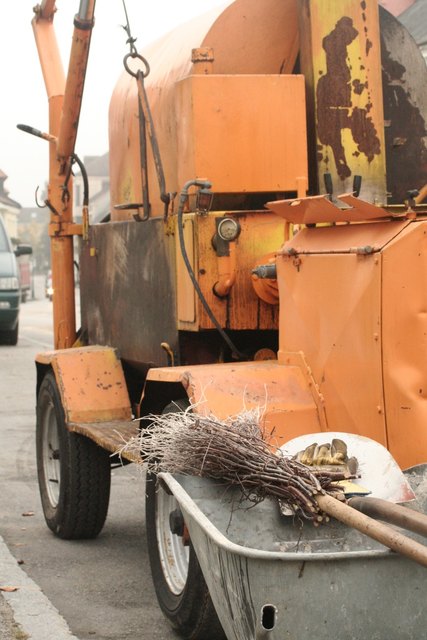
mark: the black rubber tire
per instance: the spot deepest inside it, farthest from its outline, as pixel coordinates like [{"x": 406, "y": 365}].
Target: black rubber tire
[
  {"x": 10, "y": 337},
  {"x": 13, "y": 336},
  {"x": 191, "y": 613},
  {"x": 84, "y": 483}
]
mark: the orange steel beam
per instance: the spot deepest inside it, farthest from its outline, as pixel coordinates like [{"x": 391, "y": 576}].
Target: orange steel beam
[
  {"x": 64, "y": 97},
  {"x": 83, "y": 24}
]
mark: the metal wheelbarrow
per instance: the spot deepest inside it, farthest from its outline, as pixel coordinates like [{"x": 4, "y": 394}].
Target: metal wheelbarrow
[{"x": 271, "y": 576}]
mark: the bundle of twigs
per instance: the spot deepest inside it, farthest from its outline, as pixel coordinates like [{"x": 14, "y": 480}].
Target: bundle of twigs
[{"x": 236, "y": 452}]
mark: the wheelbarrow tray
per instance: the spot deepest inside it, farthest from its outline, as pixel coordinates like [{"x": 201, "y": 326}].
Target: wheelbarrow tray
[{"x": 272, "y": 576}]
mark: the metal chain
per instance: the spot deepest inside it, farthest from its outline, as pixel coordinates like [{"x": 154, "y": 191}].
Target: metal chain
[{"x": 130, "y": 41}]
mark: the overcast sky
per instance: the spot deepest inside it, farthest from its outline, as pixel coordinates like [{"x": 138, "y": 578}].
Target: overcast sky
[{"x": 23, "y": 99}]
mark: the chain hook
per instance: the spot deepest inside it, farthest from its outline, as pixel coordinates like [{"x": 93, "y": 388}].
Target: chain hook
[{"x": 140, "y": 73}]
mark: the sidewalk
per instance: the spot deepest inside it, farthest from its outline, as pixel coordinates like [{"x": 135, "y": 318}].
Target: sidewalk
[
  {"x": 26, "y": 613},
  {"x": 9, "y": 630}
]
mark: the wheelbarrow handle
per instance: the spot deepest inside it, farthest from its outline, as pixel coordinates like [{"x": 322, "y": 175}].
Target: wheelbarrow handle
[
  {"x": 370, "y": 527},
  {"x": 391, "y": 513}
]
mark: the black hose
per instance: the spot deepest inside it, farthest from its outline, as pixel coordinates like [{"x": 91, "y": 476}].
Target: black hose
[
  {"x": 182, "y": 201},
  {"x": 76, "y": 159}
]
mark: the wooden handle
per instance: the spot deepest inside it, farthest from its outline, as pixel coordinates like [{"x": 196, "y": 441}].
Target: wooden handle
[
  {"x": 376, "y": 530},
  {"x": 392, "y": 513}
]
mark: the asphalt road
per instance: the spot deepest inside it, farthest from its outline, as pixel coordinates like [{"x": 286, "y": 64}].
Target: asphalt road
[{"x": 101, "y": 587}]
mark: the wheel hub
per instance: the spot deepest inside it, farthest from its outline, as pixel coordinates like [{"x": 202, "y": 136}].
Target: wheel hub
[{"x": 174, "y": 552}]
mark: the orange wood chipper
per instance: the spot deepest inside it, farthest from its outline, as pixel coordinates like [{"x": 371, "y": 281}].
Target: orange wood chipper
[{"x": 265, "y": 247}]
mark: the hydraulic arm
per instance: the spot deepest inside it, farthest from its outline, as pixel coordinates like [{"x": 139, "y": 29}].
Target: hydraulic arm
[{"x": 65, "y": 98}]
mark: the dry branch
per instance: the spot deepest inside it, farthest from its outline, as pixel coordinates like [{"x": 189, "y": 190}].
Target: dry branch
[{"x": 237, "y": 452}]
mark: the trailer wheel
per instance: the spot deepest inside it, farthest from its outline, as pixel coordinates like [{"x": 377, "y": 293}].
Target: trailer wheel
[
  {"x": 178, "y": 580},
  {"x": 73, "y": 472}
]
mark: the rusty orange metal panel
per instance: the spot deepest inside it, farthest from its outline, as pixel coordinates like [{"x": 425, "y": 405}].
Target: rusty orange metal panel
[
  {"x": 340, "y": 239},
  {"x": 247, "y": 27},
  {"x": 261, "y": 233},
  {"x": 236, "y": 34},
  {"x": 91, "y": 383},
  {"x": 331, "y": 311},
  {"x": 319, "y": 209},
  {"x": 341, "y": 60},
  {"x": 405, "y": 344},
  {"x": 281, "y": 393},
  {"x": 245, "y": 133}
]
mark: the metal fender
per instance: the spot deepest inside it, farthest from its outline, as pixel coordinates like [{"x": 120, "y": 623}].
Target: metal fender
[
  {"x": 284, "y": 394},
  {"x": 91, "y": 383}
]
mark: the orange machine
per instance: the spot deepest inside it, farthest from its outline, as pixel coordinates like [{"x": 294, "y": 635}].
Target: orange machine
[{"x": 265, "y": 248}]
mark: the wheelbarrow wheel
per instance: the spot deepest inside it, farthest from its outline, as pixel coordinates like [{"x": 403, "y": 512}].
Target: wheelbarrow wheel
[
  {"x": 73, "y": 472},
  {"x": 178, "y": 580}
]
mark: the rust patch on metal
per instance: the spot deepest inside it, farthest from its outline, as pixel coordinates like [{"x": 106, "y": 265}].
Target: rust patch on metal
[
  {"x": 364, "y": 133},
  {"x": 335, "y": 111},
  {"x": 358, "y": 87},
  {"x": 405, "y": 133}
]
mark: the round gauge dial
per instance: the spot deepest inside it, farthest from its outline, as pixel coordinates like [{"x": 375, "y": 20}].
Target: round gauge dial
[{"x": 228, "y": 229}]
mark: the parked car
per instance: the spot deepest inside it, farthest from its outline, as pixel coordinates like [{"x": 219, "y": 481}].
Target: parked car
[
  {"x": 25, "y": 269},
  {"x": 10, "y": 293}
]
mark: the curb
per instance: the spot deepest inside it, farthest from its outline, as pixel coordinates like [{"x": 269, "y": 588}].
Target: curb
[{"x": 32, "y": 610}]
